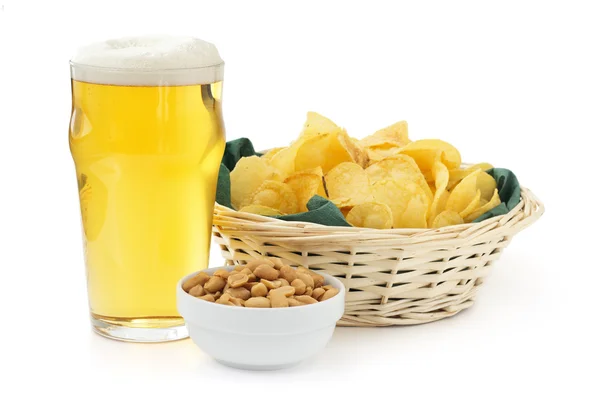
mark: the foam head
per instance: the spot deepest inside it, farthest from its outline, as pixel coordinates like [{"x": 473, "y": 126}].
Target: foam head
[{"x": 148, "y": 61}]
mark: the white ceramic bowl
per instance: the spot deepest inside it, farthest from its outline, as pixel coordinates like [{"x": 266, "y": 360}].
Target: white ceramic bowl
[{"x": 260, "y": 338}]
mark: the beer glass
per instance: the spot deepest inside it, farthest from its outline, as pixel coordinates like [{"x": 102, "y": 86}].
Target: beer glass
[{"x": 147, "y": 137}]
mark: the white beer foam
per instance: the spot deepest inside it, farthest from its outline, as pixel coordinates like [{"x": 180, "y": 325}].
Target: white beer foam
[{"x": 148, "y": 61}]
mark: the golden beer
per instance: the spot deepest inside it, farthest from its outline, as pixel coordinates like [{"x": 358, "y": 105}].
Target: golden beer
[{"x": 147, "y": 159}]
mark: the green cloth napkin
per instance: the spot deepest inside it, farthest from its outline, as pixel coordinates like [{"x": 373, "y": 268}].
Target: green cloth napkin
[
  {"x": 236, "y": 149},
  {"x": 320, "y": 211},
  {"x": 324, "y": 212}
]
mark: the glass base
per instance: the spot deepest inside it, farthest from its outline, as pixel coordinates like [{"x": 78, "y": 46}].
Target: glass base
[{"x": 140, "y": 330}]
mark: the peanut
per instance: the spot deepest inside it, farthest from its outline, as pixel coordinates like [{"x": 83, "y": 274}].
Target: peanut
[
  {"x": 319, "y": 279},
  {"x": 318, "y": 292},
  {"x": 222, "y": 273},
  {"x": 258, "y": 302},
  {"x": 278, "y": 300},
  {"x": 225, "y": 297},
  {"x": 240, "y": 293},
  {"x": 277, "y": 263},
  {"x": 285, "y": 291},
  {"x": 237, "y": 280},
  {"x": 252, "y": 264},
  {"x": 288, "y": 273},
  {"x": 200, "y": 279},
  {"x": 270, "y": 285},
  {"x": 329, "y": 294},
  {"x": 259, "y": 290},
  {"x": 292, "y": 302},
  {"x": 283, "y": 282},
  {"x": 299, "y": 286},
  {"x": 307, "y": 279},
  {"x": 224, "y": 300},
  {"x": 250, "y": 285},
  {"x": 306, "y": 299},
  {"x": 208, "y": 297},
  {"x": 280, "y": 285},
  {"x": 197, "y": 291},
  {"x": 214, "y": 284},
  {"x": 302, "y": 270},
  {"x": 237, "y": 302},
  {"x": 266, "y": 272}
]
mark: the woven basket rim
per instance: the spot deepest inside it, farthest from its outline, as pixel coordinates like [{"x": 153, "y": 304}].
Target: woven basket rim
[
  {"x": 529, "y": 202},
  {"x": 393, "y": 277}
]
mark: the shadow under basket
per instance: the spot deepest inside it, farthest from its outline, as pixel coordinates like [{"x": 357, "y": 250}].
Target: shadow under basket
[{"x": 392, "y": 277}]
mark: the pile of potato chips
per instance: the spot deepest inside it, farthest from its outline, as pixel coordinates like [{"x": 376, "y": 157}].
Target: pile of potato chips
[{"x": 382, "y": 181}]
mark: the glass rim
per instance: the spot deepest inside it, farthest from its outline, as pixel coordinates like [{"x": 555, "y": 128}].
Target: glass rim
[{"x": 74, "y": 64}]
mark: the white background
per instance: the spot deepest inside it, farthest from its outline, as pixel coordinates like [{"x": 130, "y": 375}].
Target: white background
[{"x": 516, "y": 84}]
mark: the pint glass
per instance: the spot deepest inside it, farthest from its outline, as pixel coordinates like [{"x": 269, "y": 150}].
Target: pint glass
[{"x": 147, "y": 137}]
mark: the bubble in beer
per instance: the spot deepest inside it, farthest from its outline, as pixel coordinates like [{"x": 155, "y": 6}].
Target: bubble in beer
[{"x": 148, "y": 61}]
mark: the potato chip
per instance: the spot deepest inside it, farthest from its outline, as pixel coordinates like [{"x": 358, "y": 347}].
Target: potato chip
[
  {"x": 441, "y": 205},
  {"x": 405, "y": 184},
  {"x": 446, "y": 218},
  {"x": 316, "y": 124},
  {"x": 345, "y": 211},
  {"x": 425, "y": 152},
  {"x": 358, "y": 153},
  {"x": 397, "y": 194},
  {"x": 305, "y": 184},
  {"x": 341, "y": 202},
  {"x": 473, "y": 205},
  {"x": 348, "y": 185},
  {"x": 371, "y": 215},
  {"x": 314, "y": 171},
  {"x": 378, "y": 153},
  {"x": 321, "y": 190},
  {"x": 456, "y": 175},
  {"x": 428, "y": 175},
  {"x": 317, "y": 171},
  {"x": 355, "y": 141},
  {"x": 394, "y": 135},
  {"x": 415, "y": 215},
  {"x": 285, "y": 159},
  {"x": 260, "y": 210},
  {"x": 246, "y": 177},
  {"x": 269, "y": 154},
  {"x": 276, "y": 195},
  {"x": 431, "y": 187},
  {"x": 441, "y": 176},
  {"x": 494, "y": 202},
  {"x": 482, "y": 166},
  {"x": 327, "y": 151},
  {"x": 486, "y": 184},
  {"x": 461, "y": 196},
  {"x": 398, "y": 167}
]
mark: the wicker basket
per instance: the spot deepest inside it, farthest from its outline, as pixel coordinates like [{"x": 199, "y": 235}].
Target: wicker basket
[{"x": 392, "y": 277}]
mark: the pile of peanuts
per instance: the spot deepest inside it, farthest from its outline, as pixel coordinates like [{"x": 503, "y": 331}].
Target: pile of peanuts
[{"x": 261, "y": 283}]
